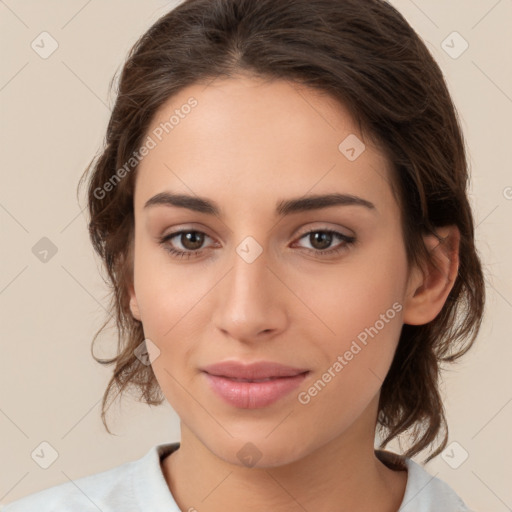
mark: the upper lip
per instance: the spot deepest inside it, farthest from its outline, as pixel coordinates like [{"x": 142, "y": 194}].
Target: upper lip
[{"x": 257, "y": 370}]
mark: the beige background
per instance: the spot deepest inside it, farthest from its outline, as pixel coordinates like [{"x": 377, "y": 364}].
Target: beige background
[{"x": 53, "y": 115}]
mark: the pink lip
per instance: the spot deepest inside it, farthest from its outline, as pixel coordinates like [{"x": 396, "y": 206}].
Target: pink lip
[{"x": 234, "y": 382}]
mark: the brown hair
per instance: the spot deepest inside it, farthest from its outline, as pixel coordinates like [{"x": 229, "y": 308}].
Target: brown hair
[{"x": 362, "y": 53}]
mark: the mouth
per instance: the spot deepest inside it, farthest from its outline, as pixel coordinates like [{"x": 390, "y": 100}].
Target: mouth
[{"x": 253, "y": 386}]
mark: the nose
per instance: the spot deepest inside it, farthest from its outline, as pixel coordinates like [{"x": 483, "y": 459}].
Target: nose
[{"x": 250, "y": 302}]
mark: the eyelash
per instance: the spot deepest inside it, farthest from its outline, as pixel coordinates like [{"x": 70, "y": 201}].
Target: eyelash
[{"x": 348, "y": 242}]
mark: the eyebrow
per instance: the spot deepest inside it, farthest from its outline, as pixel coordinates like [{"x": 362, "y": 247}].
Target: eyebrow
[{"x": 283, "y": 207}]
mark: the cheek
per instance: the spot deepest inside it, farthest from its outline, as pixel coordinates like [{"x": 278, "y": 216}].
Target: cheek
[
  {"x": 353, "y": 296},
  {"x": 167, "y": 293},
  {"x": 355, "y": 360}
]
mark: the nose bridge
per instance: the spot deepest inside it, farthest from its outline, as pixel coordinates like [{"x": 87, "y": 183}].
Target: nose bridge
[{"x": 248, "y": 300}]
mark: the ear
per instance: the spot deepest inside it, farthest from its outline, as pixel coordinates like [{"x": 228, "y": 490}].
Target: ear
[
  {"x": 428, "y": 288},
  {"x": 134, "y": 305},
  {"x": 128, "y": 266}
]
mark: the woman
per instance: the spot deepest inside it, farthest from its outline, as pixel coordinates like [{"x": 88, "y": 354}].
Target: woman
[{"x": 281, "y": 208}]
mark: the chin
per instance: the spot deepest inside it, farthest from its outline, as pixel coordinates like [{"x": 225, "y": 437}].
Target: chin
[{"x": 251, "y": 452}]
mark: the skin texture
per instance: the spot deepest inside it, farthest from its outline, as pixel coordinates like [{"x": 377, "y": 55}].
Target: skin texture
[{"x": 247, "y": 145}]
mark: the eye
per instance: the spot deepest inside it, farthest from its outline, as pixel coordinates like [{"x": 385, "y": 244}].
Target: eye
[
  {"x": 190, "y": 240},
  {"x": 321, "y": 240}
]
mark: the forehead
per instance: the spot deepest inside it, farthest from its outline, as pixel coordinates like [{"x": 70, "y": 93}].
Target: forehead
[{"x": 248, "y": 140}]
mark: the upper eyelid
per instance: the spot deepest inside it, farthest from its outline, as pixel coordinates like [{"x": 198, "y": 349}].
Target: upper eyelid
[{"x": 336, "y": 225}]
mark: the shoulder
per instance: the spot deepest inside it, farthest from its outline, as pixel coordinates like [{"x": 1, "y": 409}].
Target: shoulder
[
  {"x": 426, "y": 492},
  {"x": 115, "y": 489}
]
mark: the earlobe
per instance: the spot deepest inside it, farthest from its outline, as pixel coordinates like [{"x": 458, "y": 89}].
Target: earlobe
[
  {"x": 429, "y": 288},
  {"x": 134, "y": 305}
]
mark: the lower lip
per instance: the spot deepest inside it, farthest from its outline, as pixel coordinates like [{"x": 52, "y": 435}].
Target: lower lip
[{"x": 253, "y": 395}]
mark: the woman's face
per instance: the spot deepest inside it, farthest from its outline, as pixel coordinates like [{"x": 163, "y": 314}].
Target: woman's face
[{"x": 263, "y": 279}]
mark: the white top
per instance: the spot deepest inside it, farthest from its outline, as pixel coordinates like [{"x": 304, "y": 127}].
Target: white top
[{"x": 140, "y": 486}]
